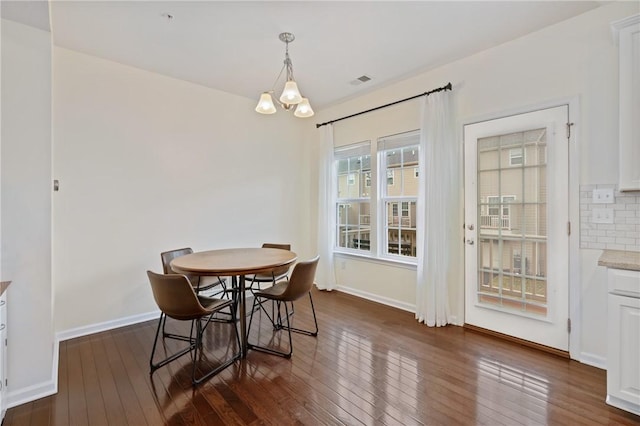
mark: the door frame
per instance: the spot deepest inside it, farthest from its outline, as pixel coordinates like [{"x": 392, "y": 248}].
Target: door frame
[{"x": 575, "y": 306}]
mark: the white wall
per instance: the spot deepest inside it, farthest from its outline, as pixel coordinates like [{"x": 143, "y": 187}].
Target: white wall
[
  {"x": 148, "y": 163},
  {"x": 576, "y": 57},
  {"x": 26, "y": 207}
]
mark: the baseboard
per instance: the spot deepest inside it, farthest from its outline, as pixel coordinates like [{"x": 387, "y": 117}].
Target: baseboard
[
  {"x": 50, "y": 387},
  {"x": 376, "y": 298},
  {"x": 623, "y": 405},
  {"x": 593, "y": 360},
  {"x": 41, "y": 390},
  {"x": 32, "y": 393},
  {"x": 105, "y": 326}
]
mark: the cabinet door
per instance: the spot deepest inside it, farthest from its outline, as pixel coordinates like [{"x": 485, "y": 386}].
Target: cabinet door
[
  {"x": 628, "y": 32},
  {"x": 623, "y": 370}
]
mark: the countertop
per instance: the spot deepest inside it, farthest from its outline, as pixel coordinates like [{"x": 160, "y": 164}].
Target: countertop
[
  {"x": 3, "y": 286},
  {"x": 620, "y": 259}
]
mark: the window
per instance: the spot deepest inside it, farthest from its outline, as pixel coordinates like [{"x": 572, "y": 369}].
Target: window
[
  {"x": 398, "y": 160},
  {"x": 493, "y": 219},
  {"x": 353, "y": 200},
  {"x": 494, "y": 205},
  {"x": 392, "y": 235},
  {"x": 516, "y": 157},
  {"x": 390, "y": 176}
]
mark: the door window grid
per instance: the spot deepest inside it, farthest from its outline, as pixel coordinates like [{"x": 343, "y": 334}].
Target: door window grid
[{"x": 512, "y": 246}]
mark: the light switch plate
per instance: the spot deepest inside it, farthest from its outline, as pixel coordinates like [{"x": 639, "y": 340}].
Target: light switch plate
[
  {"x": 602, "y": 216},
  {"x": 603, "y": 196}
]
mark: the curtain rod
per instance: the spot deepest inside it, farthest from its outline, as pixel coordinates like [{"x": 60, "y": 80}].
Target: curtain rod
[{"x": 439, "y": 89}]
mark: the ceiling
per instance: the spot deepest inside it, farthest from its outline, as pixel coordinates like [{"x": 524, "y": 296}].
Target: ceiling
[{"x": 234, "y": 46}]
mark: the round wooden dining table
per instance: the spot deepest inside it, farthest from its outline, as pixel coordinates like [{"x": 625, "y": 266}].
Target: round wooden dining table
[{"x": 235, "y": 263}]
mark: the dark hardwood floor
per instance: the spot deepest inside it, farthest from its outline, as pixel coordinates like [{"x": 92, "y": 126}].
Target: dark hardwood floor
[{"x": 370, "y": 364}]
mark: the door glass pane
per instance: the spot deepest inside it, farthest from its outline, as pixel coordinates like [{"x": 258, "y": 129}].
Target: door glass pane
[{"x": 511, "y": 186}]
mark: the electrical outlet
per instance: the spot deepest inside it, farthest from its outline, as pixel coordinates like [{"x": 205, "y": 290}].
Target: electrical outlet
[
  {"x": 603, "y": 196},
  {"x": 602, "y": 216}
]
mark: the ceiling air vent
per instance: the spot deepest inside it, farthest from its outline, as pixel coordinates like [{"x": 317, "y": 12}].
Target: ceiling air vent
[{"x": 360, "y": 80}]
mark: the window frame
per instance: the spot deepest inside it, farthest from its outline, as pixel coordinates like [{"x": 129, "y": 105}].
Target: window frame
[
  {"x": 401, "y": 142},
  {"x": 378, "y": 247}
]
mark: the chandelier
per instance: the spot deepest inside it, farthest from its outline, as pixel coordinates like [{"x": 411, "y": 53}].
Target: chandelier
[{"x": 290, "y": 96}]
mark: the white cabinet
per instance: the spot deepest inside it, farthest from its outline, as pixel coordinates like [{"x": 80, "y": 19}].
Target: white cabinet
[
  {"x": 627, "y": 34},
  {"x": 623, "y": 353}
]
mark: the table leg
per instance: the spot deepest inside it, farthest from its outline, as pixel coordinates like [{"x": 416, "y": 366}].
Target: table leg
[{"x": 243, "y": 317}]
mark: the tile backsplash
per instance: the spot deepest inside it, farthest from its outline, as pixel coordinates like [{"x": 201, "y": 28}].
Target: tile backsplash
[{"x": 623, "y": 233}]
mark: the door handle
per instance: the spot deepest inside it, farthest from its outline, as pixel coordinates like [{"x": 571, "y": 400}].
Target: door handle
[
  {"x": 470, "y": 227},
  {"x": 470, "y": 241}
]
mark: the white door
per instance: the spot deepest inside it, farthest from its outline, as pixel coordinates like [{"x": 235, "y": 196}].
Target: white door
[{"x": 516, "y": 219}]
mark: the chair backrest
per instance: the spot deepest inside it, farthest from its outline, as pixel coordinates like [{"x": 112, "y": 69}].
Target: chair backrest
[
  {"x": 168, "y": 256},
  {"x": 302, "y": 277},
  {"x": 175, "y": 296},
  {"x": 283, "y": 269}
]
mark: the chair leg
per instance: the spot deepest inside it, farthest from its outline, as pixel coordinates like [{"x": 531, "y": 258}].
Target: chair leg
[
  {"x": 170, "y": 335},
  {"x": 315, "y": 321},
  {"x": 153, "y": 367},
  {"x": 264, "y": 348},
  {"x": 155, "y": 340},
  {"x": 200, "y": 331}
]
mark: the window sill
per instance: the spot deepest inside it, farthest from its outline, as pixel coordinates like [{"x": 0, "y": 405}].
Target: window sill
[{"x": 397, "y": 263}]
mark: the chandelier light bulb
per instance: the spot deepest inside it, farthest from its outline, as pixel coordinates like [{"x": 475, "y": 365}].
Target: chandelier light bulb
[
  {"x": 291, "y": 95},
  {"x": 304, "y": 109},
  {"x": 265, "y": 104}
]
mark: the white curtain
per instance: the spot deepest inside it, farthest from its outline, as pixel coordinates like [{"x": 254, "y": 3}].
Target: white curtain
[
  {"x": 439, "y": 210},
  {"x": 325, "y": 274}
]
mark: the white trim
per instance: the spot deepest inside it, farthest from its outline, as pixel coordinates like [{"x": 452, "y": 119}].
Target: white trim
[
  {"x": 32, "y": 393},
  {"x": 387, "y": 301},
  {"x": 575, "y": 286},
  {"x": 105, "y": 326},
  {"x": 377, "y": 298},
  {"x": 623, "y": 405},
  {"x": 616, "y": 26},
  {"x": 399, "y": 263},
  {"x": 593, "y": 360},
  {"x": 39, "y": 390}
]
